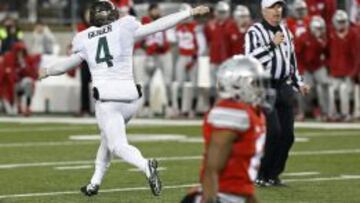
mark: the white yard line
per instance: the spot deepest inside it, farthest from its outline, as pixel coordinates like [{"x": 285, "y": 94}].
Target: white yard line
[
  {"x": 102, "y": 191},
  {"x": 63, "y": 168},
  {"x": 332, "y": 133},
  {"x": 176, "y": 158},
  {"x": 45, "y": 129},
  {"x": 162, "y": 122},
  {"x": 11, "y": 196},
  {"x": 138, "y": 170},
  {"x": 310, "y": 173}
]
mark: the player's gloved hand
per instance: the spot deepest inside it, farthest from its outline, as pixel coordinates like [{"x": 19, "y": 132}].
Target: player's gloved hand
[
  {"x": 42, "y": 73},
  {"x": 200, "y": 10}
]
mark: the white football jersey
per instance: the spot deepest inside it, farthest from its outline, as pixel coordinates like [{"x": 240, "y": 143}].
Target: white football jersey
[{"x": 108, "y": 50}]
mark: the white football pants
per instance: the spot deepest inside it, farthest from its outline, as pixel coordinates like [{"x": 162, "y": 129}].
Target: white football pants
[
  {"x": 112, "y": 118},
  {"x": 344, "y": 87}
]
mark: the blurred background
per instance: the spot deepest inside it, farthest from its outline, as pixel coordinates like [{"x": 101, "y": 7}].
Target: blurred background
[{"x": 175, "y": 75}]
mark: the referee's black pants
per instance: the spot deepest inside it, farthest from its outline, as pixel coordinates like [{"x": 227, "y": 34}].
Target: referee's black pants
[{"x": 280, "y": 132}]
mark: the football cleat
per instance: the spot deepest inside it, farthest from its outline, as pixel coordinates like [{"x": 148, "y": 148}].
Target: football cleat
[
  {"x": 90, "y": 189},
  {"x": 275, "y": 182},
  {"x": 154, "y": 179}
]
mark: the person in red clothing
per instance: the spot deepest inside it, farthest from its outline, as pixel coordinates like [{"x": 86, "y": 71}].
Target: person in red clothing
[
  {"x": 355, "y": 19},
  {"x": 342, "y": 57},
  {"x": 234, "y": 134},
  {"x": 19, "y": 80},
  {"x": 299, "y": 21},
  {"x": 311, "y": 50},
  {"x": 323, "y": 8},
  {"x": 236, "y": 33},
  {"x": 158, "y": 55},
  {"x": 125, "y": 6},
  {"x": 216, "y": 39},
  {"x": 190, "y": 45}
]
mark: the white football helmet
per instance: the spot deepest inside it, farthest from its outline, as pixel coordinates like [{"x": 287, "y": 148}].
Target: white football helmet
[
  {"x": 300, "y": 9},
  {"x": 222, "y": 10},
  {"x": 243, "y": 78},
  {"x": 241, "y": 14},
  {"x": 317, "y": 26},
  {"x": 340, "y": 20}
]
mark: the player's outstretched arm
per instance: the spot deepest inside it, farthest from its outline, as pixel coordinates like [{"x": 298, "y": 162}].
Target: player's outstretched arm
[
  {"x": 169, "y": 21},
  {"x": 62, "y": 67}
]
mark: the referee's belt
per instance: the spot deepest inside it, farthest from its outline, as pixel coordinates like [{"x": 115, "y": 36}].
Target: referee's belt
[{"x": 280, "y": 82}]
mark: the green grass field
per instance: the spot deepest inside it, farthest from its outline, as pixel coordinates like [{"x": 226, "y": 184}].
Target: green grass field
[{"x": 39, "y": 163}]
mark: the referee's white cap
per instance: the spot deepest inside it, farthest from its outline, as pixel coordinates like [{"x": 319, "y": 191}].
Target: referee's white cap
[{"x": 269, "y": 3}]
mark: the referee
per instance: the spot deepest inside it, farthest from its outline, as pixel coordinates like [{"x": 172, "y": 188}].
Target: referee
[{"x": 270, "y": 41}]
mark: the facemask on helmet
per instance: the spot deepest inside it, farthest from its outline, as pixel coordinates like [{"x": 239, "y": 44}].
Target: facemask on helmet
[
  {"x": 242, "y": 15},
  {"x": 243, "y": 79},
  {"x": 103, "y": 12},
  {"x": 317, "y": 26},
  {"x": 300, "y": 9},
  {"x": 340, "y": 20}
]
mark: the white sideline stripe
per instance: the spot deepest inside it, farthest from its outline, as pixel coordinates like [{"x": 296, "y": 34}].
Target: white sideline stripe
[
  {"x": 102, "y": 191},
  {"x": 302, "y": 139},
  {"x": 62, "y": 168},
  {"x": 310, "y": 173},
  {"x": 176, "y": 158},
  {"x": 338, "y": 178},
  {"x": 162, "y": 122},
  {"x": 138, "y": 170}
]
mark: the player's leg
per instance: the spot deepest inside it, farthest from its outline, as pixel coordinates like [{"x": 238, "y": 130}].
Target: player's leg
[
  {"x": 165, "y": 63},
  {"x": 189, "y": 102},
  {"x": 28, "y": 88},
  {"x": 357, "y": 101},
  {"x": 322, "y": 81},
  {"x": 114, "y": 116},
  {"x": 179, "y": 79},
  {"x": 102, "y": 163},
  {"x": 334, "y": 84},
  {"x": 345, "y": 90}
]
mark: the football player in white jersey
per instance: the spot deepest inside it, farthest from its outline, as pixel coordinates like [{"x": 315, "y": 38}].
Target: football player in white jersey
[{"x": 107, "y": 46}]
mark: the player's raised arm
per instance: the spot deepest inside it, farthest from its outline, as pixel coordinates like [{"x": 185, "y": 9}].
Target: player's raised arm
[
  {"x": 60, "y": 68},
  {"x": 169, "y": 21}
]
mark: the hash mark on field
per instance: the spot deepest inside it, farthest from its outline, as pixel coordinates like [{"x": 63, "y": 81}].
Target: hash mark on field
[
  {"x": 61, "y": 168},
  {"x": 9, "y": 196}
]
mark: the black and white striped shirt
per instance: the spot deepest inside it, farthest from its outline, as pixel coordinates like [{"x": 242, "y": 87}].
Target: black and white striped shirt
[{"x": 279, "y": 61}]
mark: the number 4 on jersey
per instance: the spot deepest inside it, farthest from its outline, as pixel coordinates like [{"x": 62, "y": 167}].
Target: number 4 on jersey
[{"x": 103, "y": 47}]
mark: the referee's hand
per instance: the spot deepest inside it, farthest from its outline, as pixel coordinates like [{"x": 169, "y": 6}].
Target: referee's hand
[
  {"x": 304, "y": 90},
  {"x": 279, "y": 38}
]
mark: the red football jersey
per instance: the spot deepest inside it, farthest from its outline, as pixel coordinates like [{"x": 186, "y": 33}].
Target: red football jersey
[
  {"x": 186, "y": 36},
  {"x": 156, "y": 43},
  {"x": 242, "y": 166},
  {"x": 342, "y": 54},
  {"x": 216, "y": 39},
  {"x": 236, "y": 40},
  {"x": 310, "y": 52}
]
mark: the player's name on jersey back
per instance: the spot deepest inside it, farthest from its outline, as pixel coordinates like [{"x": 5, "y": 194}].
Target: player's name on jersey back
[{"x": 103, "y": 30}]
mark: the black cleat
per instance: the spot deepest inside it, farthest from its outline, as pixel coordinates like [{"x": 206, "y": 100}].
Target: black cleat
[
  {"x": 261, "y": 182},
  {"x": 154, "y": 179},
  {"x": 276, "y": 182},
  {"x": 90, "y": 190}
]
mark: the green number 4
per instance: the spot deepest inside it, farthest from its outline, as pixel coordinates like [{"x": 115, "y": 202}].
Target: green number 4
[{"x": 103, "y": 47}]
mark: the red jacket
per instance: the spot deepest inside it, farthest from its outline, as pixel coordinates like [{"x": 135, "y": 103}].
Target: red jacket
[
  {"x": 323, "y": 8},
  {"x": 156, "y": 43},
  {"x": 298, "y": 27},
  {"x": 186, "y": 35},
  {"x": 342, "y": 54},
  {"x": 243, "y": 162},
  {"x": 216, "y": 39},
  {"x": 310, "y": 52},
  {"x": 235, "y": 40}
]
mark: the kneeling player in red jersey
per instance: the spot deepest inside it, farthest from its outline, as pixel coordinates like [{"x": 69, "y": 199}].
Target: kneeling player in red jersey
[{"x": 234, "y": 133}]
